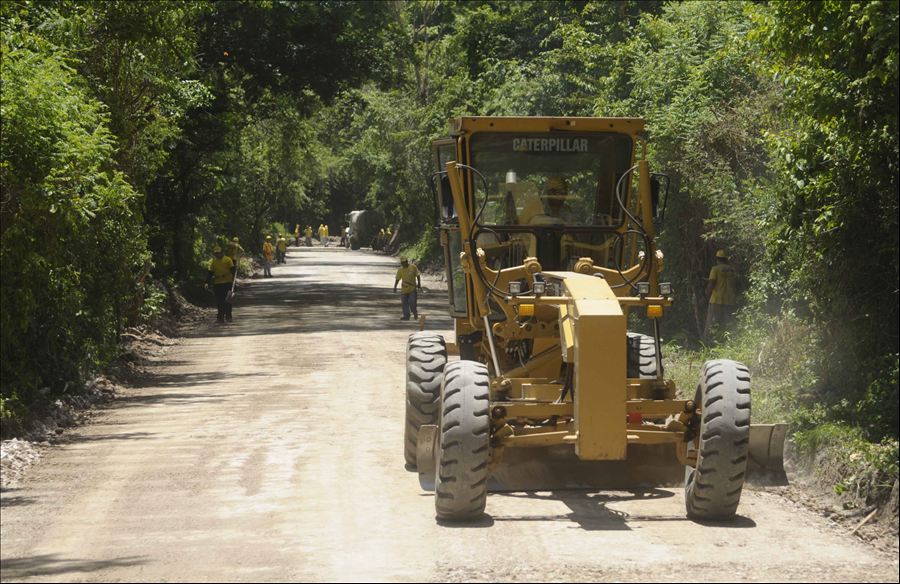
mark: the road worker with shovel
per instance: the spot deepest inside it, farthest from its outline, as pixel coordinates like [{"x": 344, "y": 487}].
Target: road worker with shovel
[{"x": 222, "y": 272}]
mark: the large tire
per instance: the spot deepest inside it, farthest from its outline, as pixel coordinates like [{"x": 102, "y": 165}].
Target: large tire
[
  {"x": 426, "y": 355},
  {"x": 712, "y": 490},
  {"x": 641, "y": 356},
  {"x": 460, "y": 491}
]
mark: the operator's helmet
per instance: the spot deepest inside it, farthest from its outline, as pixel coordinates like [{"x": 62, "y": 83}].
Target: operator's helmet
[
  {"x": 235, "y": 240},
  {"x": 721, "y": 254},
  {"x": 557, "y": 188},
  {"x": 217, "y": 249}
]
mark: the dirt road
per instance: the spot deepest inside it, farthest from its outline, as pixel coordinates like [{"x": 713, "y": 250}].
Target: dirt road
[{"x": 271, "y": 449}]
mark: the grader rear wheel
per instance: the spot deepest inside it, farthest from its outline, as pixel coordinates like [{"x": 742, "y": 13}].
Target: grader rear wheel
[
  {"x": 463, "y": 442},
  {"x": 712, "y": 489},
  {"x": 641, "y": 356},
  {"x": 426, "y": 355}
]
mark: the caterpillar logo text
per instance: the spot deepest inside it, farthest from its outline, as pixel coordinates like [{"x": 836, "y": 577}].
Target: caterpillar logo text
[{"x": 550, "y": 144}]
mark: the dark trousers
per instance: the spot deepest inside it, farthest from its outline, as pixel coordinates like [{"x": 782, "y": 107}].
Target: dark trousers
[
  {"x": 224, "y": 307},
  {"x": 408, "y": 303},
  {"x": 717, "y": 315}
]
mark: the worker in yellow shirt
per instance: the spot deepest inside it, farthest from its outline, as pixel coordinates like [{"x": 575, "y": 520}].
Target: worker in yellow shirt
[
  {"x": 297, "y": 234},
  {"x": 268, "y": 256},
  {"x": 321, "y": 232},
  {"x": 379, "y": 240},
  {"x": 234, "y": 250},
  {"x": 412, "y": 281},
  {"x": 221, "y": 273},
  {"x": 281, "y": 247},
  {"x": 325, "y": 227},
  {"x": 722, "y": 288},
  {"x": 308, "y": 233}
]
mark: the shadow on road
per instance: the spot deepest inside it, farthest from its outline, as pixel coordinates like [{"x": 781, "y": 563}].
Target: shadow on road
[
  {"x": 9, "y": 498},
  {"x": 285, "y": 307},
  {"x": 589, "y": 508},
  {"x": 186, "y": 380},
  {"x": 78, "y": 439},
  {"x": 53, "y": 565}
]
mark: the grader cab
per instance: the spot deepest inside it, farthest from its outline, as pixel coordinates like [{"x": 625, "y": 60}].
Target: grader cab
[{"x": 547, "y": 252}]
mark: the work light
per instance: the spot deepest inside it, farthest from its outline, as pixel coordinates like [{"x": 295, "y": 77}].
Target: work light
[
  {"x": 643, "y": 288},
  {"x": 515, "y": 288},
  {"x": 665, "y": 288}
]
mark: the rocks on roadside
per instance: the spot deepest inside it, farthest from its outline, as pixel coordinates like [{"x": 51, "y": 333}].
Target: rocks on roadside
[{"x": 15, "y": 458}]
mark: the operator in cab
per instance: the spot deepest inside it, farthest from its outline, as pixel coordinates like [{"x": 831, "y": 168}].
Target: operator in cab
[{"x": 551, "y": 208}]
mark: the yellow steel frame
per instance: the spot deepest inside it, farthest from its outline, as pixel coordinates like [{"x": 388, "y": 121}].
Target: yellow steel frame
[{"x": 588, "y": 318}]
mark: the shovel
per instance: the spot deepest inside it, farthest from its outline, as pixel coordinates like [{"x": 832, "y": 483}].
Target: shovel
[{"x": 230, "y": 296}]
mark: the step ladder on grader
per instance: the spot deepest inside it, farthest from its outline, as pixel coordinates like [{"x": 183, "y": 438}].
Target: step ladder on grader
[{"x": 547, "y": 251}]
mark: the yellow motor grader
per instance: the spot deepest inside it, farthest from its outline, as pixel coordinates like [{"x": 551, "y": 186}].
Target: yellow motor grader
[{"x": 548, "y": 248}]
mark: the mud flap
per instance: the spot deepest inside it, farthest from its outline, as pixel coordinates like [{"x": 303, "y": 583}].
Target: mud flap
[
  {"x": 765, "y": 465},
  {"x": 558, "y": 468},
  {"x": 426, "y": 457}
]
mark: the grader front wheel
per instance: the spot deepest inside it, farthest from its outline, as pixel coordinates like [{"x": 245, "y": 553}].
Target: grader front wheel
[
  {"x": 463, "y": 442},
  {"x": 426, "y": 355},
  {"x": 712, "y": 489}
]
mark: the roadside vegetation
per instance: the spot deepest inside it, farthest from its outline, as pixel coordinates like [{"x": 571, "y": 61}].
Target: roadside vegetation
[{"x": 138, "y": 131}]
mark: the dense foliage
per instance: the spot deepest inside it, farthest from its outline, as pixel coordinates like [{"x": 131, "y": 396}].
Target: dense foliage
[{"x": 134, "y": 128}]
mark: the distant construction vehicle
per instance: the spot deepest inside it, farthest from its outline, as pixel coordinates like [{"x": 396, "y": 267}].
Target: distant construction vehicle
[
  {"x": 547, "y": 250},
  {"x": 363, "y": 226}
]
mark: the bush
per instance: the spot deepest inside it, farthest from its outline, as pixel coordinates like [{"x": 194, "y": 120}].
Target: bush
[{"x": 70, "y": 239}]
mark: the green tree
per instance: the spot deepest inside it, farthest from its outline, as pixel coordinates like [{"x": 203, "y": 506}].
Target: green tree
[{"x": 69, "y": 231}]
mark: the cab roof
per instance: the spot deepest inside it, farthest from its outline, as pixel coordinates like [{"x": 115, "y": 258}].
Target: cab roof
[{"x": 473, "y": 124}]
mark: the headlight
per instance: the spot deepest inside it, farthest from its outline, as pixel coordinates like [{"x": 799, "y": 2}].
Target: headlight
[
  {"x": 539, "y": 288},
  {"x": 643, "y": 288},
  {"x": 665, "y": 289},
  {"x": 515, "y": 288}
]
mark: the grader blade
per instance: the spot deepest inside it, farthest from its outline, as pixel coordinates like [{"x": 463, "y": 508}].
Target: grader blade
[
  {"x": 558, "y": 468},
  {"x": 765, "y": 464}
]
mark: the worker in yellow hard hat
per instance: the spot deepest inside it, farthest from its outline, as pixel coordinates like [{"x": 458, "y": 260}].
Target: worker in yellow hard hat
[
  {"x": 221, "y": 274},
  {"x": 308, "y": 233},
  {"x": 325, "y": 227},
  {"x": 297, "y": 234},
  {"x": 234, "y": 250},
  {"x": 281, "y": 248},
  {"x": 722, "y": 288},
  {"x": 551, "y": 207},
  {"x": 268, "y": 256},
  {"x": 412, "y": 281},
  {"x": 379, "y": 240},
  {"x": 322, "y": 233}
]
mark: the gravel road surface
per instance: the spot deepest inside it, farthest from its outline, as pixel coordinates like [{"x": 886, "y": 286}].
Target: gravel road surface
[{"x": 270, "y": 449}]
